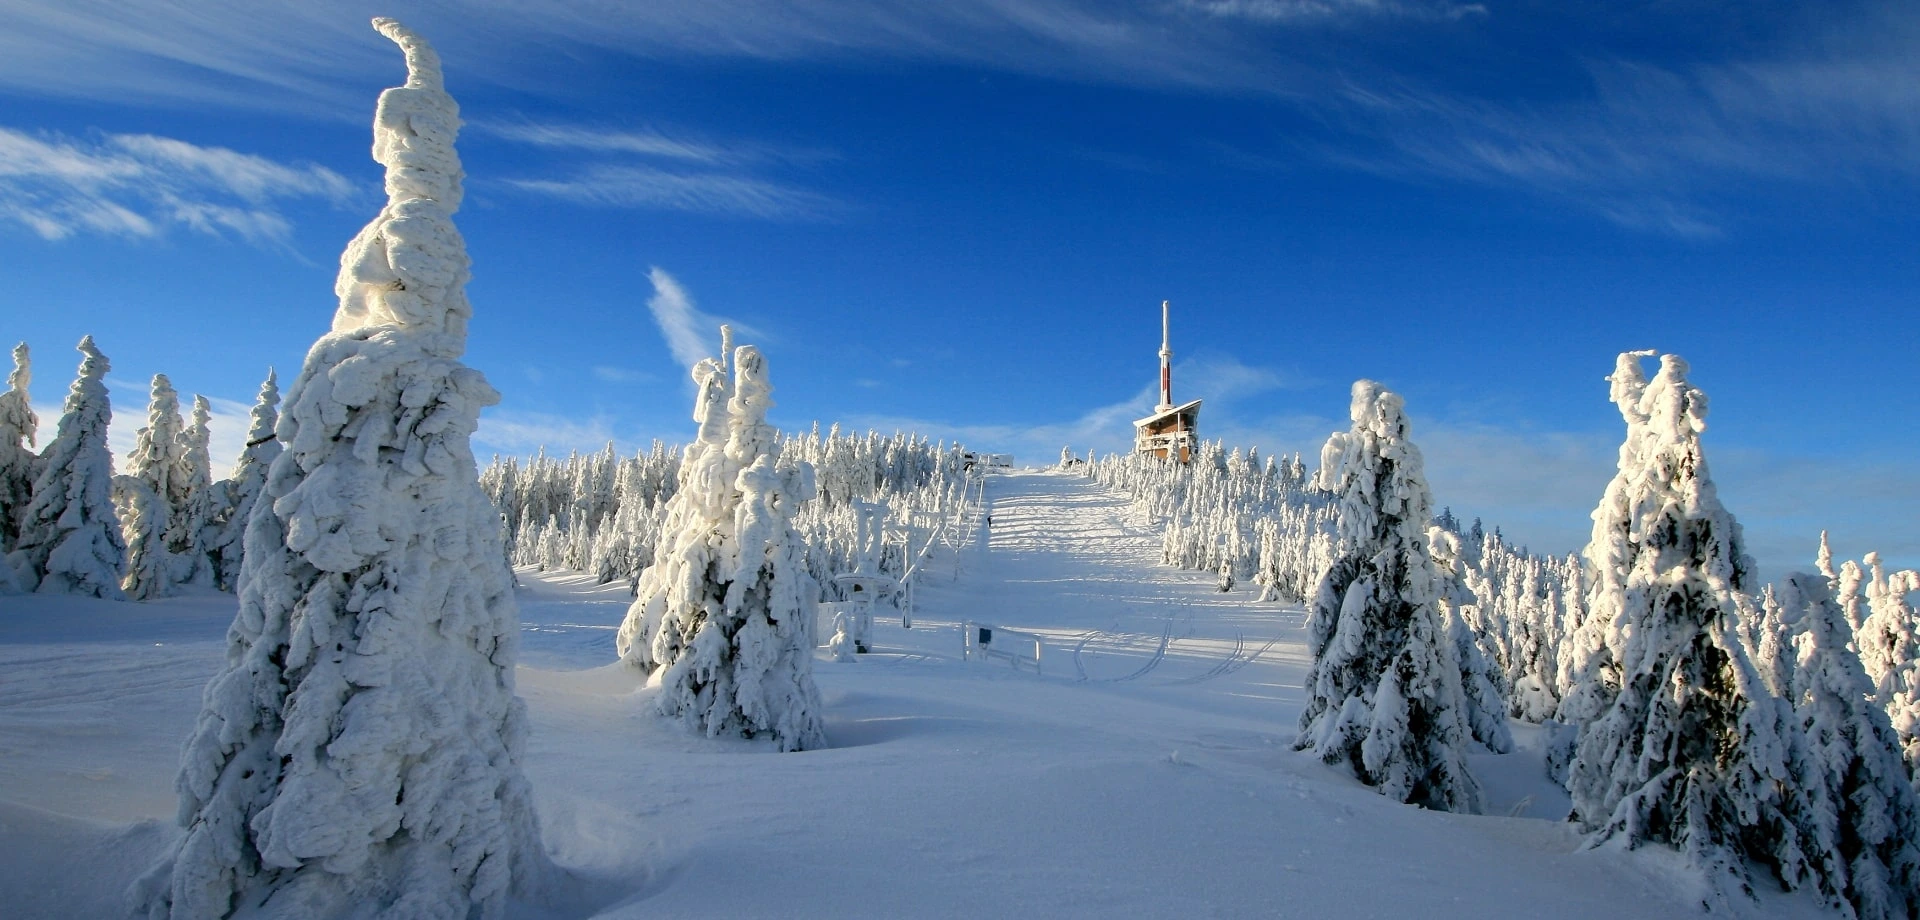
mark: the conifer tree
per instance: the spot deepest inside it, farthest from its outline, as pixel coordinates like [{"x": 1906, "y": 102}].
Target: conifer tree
[
  {"x": 69, "y": 536},
  {"x": 150, "y": 494},
  {"x": 1862, "y": 825},
  {"x": 187, "y": 533},
  {"x": 18, "y": 425},
  {"x": 1692, "y": 750},
  {"x": 723, "y": 615},
  {"x": 227, "y": 545},
  {"x": 1384, "y": 694},
  {"x": 359, "y": 753}
]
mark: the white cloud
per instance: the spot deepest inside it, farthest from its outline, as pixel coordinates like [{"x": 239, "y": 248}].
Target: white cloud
[
  {"x": 691, "y": 335},
  {"x": 1303, "y": 11},
  {"x": 138, "y": 185},
  {"x": 639, "y": 186}
]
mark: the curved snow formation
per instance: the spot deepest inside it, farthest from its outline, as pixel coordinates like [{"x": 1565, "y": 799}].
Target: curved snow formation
[
  {"x": 409, "y": 267},
  {"x": 359, "y": 754}
]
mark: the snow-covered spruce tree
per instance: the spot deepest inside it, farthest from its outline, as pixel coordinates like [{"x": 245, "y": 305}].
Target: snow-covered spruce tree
[
  {"x": 358, "y": 755},
  {"x": 69, "y": 537},
  {"x": 685, "y": 574},
  {"x": 1861, "y": 823},
  {"x": 17, "y": 428},
  {"x": 1384, "y": 693},
  {"x": 187, "y": 534},
  {"x": 1486, "y": 709},
  {"x": 143, "y": 526},
  {"x": 1692, "y": 750},
  {"x": 728, "y": 601},
  {"x": 150, "y": 494},
  {"x": 225, "y": 543}
]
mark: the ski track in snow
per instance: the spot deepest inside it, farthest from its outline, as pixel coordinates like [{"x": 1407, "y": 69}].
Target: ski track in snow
[{"x": 1155, "y": 778}]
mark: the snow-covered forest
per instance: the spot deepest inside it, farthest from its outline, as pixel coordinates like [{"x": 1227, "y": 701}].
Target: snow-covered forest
[{"x": 1281, "y": 679}]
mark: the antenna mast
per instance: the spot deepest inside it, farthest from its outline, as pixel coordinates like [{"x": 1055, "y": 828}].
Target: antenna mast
[{"x": 1166, "y": 363}]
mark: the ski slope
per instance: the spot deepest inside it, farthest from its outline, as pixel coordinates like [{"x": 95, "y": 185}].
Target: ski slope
[{"x": 1145, "y": 771}]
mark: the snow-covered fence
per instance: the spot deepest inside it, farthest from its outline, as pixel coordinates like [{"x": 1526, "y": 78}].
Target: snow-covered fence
[{"x": 980, "y": 642}]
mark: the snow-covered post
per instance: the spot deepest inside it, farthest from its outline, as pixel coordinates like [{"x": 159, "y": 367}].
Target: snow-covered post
[
  {"x": 225, "y": 543},
  {"x": 359, "y": 753},
  {"x": 69, "y": 536},
  {"x": 1690, "y": 750},
  {"x": 1384, "y": 693}
]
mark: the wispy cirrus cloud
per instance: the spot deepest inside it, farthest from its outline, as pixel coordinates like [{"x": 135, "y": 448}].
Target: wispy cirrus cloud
[
  {"x": 1303, "y": 11},
  {"x": 138, "y": 185},
  {"x": 1664, "y": 147},
  {"x": 642, "y": 186},
  {"x": 690, "y": 334}
]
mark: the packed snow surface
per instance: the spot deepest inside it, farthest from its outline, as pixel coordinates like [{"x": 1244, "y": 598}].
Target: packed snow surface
[{"x": 1146, "y": 771}]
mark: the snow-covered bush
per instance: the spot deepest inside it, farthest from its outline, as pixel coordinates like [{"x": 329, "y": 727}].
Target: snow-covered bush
[
  {"x": 1384, "y": 694},
  {"x": 69, "y": 536},
  {"x": 359, "y": 753}
]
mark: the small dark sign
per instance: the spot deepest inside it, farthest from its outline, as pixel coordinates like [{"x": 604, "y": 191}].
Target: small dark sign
[{"x": 986, "y": 636}]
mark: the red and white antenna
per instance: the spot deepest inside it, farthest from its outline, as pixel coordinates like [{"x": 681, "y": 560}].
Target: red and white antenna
[{"x": 1166, "y": 364}]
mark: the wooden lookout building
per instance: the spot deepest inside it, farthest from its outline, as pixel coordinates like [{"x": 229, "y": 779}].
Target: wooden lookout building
[{"x": 1171, "y": 431}]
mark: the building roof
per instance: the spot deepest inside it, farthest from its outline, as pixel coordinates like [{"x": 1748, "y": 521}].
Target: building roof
[{"x": 1192, "y": 408}]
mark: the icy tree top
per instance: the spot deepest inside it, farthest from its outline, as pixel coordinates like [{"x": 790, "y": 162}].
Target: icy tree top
[
  {"x": 22, "y": 374},
  {"x": 409, "y": 267}
]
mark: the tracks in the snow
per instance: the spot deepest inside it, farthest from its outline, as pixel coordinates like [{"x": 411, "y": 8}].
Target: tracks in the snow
[{"x": 1235, "y": 660}]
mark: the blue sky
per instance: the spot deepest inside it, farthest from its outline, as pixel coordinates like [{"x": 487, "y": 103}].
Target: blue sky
[{"x": 961, "y": 218}]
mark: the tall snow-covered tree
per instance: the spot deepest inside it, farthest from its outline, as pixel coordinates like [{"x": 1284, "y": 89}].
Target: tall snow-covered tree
[
  {"x": 18, "y": 426},
  {"x": 17, "y": 461},
  {"x": 1384, "y": 694},
  {"x": 143, "y": 525},
  {"x": 722, "y": 617},
  {"x": 359, "y": 753},
  {"x": 69, "y": 536},
  {"x": 1691, "y": 750},
  {"x": 238, "y": 494},
  {"x": 685, "y": 579},
  {"x": 1862, "y": 822},
  {"x": 187, "y": 533},
  {"x": 150, "y": 495}
]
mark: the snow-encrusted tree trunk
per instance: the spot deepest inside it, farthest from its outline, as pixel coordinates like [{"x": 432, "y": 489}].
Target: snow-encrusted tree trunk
[
  {"x": 1384, "y": 693},
  {"x": 187, "y": 535},
  {"x": 725, "y": 608},
  {"x": 69, "y": 536},
  {"x": 1692, "y": 750},
  {"x": 359, "y": 753},
  {"x": 1862, "y": 820},
  {"x": 226, "y": 544}
]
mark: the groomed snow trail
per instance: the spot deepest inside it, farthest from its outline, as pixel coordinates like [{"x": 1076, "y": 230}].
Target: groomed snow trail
[{"x": 1063, "y": 561}]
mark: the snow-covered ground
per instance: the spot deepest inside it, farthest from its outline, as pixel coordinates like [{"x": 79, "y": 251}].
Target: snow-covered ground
[{"x": 1146, "y": 771}]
